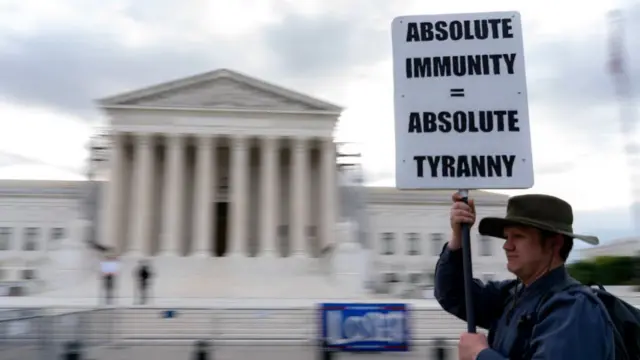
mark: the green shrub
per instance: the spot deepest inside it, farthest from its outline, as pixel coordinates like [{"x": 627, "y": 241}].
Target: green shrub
[{"x": 607, "y": 270}]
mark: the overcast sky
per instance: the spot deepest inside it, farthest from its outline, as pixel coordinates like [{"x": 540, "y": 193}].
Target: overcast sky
[{"x": 57, "y": 56}]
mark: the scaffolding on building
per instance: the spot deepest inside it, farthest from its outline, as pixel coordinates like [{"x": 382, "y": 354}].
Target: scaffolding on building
[
  {"x": 352, "y": 194},
  {"x": 98, "y": 150}
]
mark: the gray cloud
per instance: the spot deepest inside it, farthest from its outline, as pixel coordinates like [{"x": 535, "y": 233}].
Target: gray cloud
[
  {"x": 608, "y": 224},
  {"x": 568, "y": 72},
  {"x": 307, "y": 46},
  {"x": 555, "y": 168},
  {"x": 572, "y": 76},
  {"x": 324, "y": 46},
  {"x": 67, "y": 68}
]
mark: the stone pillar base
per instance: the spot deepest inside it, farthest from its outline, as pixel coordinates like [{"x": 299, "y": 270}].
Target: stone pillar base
[{"x": 201, "y": 254}]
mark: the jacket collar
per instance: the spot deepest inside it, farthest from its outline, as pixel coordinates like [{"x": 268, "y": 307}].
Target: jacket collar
[{"x": 552, "y": 278}]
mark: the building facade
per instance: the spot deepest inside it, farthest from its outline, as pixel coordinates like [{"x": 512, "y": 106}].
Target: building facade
[
  {"x": 409, "y": 230},
  {"x": 225, "y": 166},
  {"x": 34, "y": 217},
  {"x": 220, "y": 165}
]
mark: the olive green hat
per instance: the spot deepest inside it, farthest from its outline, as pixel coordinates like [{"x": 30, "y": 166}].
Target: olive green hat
[{"x": 544, "y": 212}]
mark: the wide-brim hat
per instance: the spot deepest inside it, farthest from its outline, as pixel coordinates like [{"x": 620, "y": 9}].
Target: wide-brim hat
[{"x": 544, "y": 212}]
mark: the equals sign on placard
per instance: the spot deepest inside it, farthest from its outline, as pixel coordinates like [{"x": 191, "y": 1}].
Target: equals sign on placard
[{"x": 459, "y": 92}]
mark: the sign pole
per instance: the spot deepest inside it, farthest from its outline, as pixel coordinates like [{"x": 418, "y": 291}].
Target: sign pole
[{"x": 467, "y": 270}]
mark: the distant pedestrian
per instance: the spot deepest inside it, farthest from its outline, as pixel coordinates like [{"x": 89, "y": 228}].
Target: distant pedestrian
[
  {"x": 201, "y": 350},
  {"x": 143, "y": 275},
  {"x": 109, "y": 268}
]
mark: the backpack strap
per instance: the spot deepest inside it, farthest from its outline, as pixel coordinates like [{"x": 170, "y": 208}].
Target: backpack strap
[{"x": 521, "y": 348}]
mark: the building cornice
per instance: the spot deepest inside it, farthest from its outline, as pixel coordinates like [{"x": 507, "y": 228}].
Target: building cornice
[
  {"x": 42, "y": 188},
  {"x": 221, "y": 111},
  {"x": 182, "y": 83},
  {"x": 390, "y": 195}
]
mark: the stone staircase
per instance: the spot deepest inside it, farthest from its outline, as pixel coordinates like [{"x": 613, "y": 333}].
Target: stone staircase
[
  {"x": 218, "y": 278},
  {"x": 231, "y": 324}
]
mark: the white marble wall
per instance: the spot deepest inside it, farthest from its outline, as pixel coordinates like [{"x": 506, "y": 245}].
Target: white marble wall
[
  {"x": 428, "y": 221},
  {"x": 45, "y": 214}
]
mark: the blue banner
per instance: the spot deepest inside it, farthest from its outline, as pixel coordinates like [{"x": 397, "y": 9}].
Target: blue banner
[{"x": 365, "y": 327}]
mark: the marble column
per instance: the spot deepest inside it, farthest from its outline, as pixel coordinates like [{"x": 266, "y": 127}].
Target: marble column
[
  {"x": 143, "y": 187},
  {"x": 299, "y": 197},
  {"x": 171, "y": 234},
  {"x": 112, "y": 198},
  {"x": 237, "y": 245},
  {"x": 328, "y": 192},
  {"x": 203, "y": 198},
  {"x": 269, "y": 162}
]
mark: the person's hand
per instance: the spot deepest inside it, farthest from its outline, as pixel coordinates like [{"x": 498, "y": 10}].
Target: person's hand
[
  {"x": 461, "y": 213},
  {"x": 470, "y": 346}
]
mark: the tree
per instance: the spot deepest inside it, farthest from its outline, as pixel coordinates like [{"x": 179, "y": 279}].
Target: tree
[
  {"x": 606, "y": 270},
  {"x": 583, "y": 271}
]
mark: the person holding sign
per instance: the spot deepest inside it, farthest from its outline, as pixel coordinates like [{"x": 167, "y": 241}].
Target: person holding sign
[{"x": 537, "y": 316}]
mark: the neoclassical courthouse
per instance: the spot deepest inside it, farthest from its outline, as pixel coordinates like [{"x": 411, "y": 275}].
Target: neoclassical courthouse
[
  {"x": 220, "y": 164},
  {"x": 225, "y": 166}
]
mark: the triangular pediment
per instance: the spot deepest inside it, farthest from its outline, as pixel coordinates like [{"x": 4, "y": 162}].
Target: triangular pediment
[{"x": 221, "y": 89}]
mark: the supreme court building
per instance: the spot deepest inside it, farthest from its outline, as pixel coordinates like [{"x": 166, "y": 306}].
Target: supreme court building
[
  {"x": 224, "y": 166},
  {"x": 220, "y": 164}
]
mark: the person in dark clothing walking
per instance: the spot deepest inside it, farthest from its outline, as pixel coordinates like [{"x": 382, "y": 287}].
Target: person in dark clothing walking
[
  {"x": 109, "y": 280},
  {"x": 109, "y": 269},
  {"x": 144, "y": 278},
  {"x": 568, "y": 324}
]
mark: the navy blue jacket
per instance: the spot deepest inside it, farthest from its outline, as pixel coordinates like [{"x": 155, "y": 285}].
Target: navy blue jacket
[{"x": 571, "y": 324}]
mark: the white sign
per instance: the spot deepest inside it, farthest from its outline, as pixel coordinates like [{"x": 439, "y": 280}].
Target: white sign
[{"x": 461, "y": 112}]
